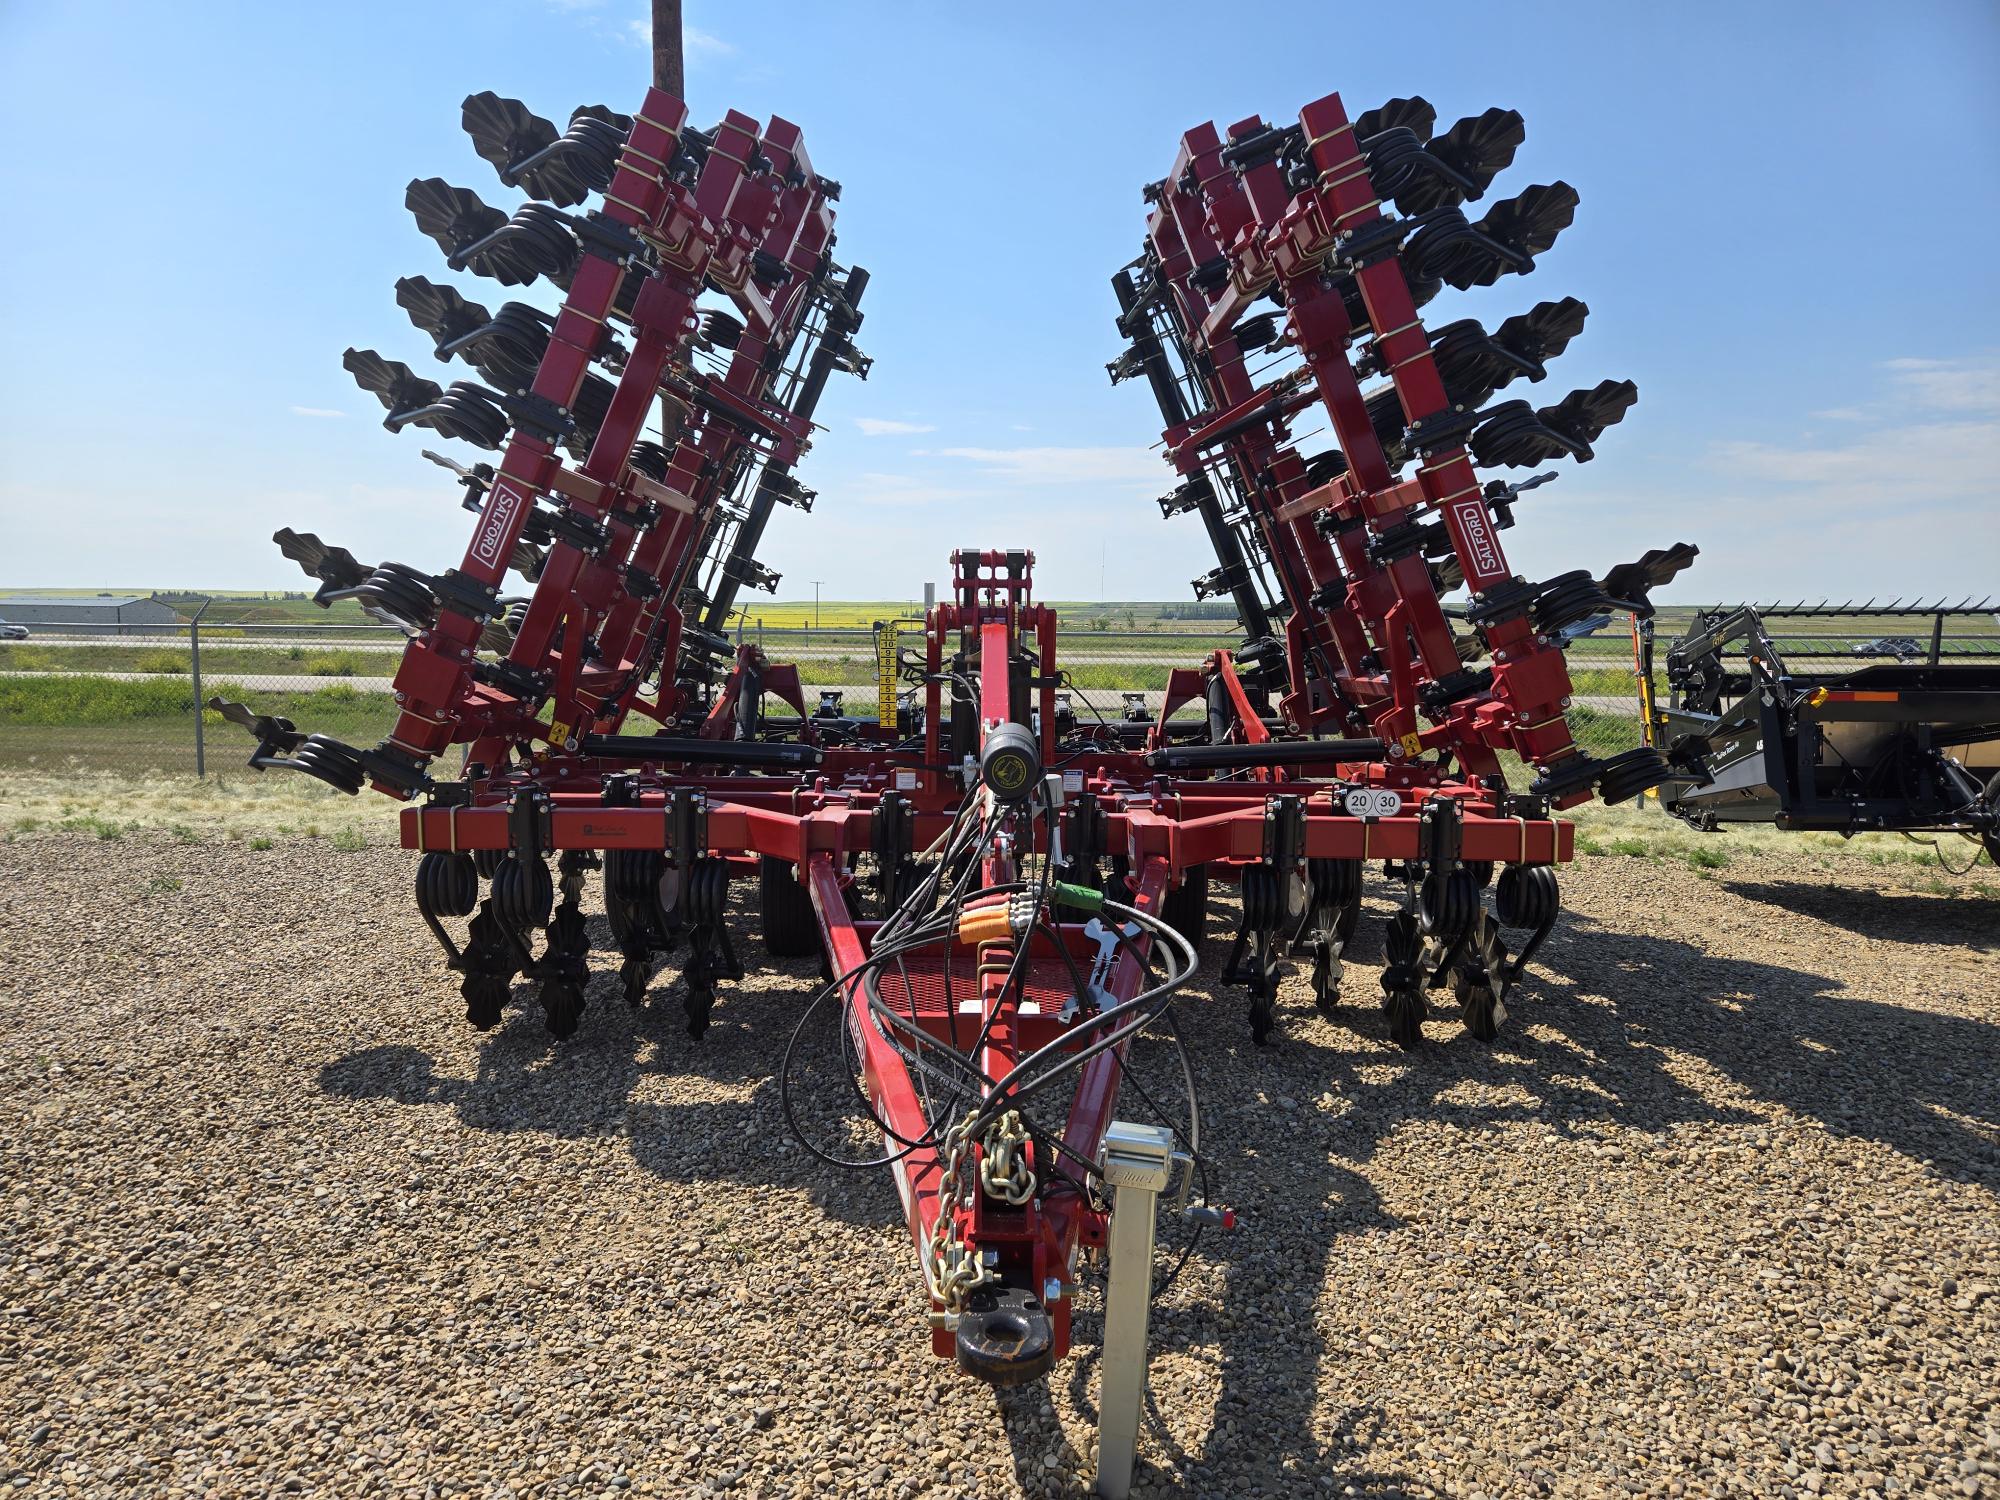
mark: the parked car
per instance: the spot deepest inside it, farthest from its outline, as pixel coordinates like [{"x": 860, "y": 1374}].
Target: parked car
[
  {"x": 12, "y": 632},
  {"x": 1902, "y": 647}
]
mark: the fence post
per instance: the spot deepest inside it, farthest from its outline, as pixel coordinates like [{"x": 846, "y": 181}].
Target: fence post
[{"x": 194, "y": 668}]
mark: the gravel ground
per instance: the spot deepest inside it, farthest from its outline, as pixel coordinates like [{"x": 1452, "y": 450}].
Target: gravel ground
[{"x": 1716, "y": 1216}]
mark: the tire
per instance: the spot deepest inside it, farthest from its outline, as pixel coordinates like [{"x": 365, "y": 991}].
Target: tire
[
  {"x": 1186, "y": 907},
  {"x": 791, "y": 927},
  {"x": 1348, "y": 920}
]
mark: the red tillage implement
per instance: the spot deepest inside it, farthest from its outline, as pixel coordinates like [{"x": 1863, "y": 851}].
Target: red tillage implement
[{"x": 1005, "y": 895}]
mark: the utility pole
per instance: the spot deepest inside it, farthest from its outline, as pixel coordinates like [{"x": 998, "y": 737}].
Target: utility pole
[
  {"x": 816, "y": 583},
  {"x": 668, "y": 73}
]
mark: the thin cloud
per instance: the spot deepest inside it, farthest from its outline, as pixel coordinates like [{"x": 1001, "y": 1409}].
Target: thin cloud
[
  {"x": 316, "y": 411},
  {"x": 1954, "y": 385},
  {"x": 1929, "y": 441},
  {"x": 1908, "y": 467},
  {"x": 899, "y": 490},
  {"x": 1127, "y": 466},
  {"x": 884, "y": 427},
  {"x": 696, "y": 45}
]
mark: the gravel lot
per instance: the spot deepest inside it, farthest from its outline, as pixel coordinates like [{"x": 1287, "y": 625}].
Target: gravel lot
[{"x": 1718, "y": 1215}]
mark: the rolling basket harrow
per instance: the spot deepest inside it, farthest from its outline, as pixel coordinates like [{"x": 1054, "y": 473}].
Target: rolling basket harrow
[{"x": 1004, "y": 894}]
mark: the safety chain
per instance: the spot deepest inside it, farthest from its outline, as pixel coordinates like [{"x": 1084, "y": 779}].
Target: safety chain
[
  {"x": 1003, "y": 1170},
  {"x": 951, "y": 1268}
]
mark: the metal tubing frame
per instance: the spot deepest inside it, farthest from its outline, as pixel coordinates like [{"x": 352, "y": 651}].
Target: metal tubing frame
[{"x": 1381, "y": 620}]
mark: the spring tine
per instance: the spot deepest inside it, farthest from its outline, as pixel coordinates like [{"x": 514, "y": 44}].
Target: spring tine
[{"x": 1416, "y": 114}]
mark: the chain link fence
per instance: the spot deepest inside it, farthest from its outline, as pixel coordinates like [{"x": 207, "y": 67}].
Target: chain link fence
[{"x": 124, "y": 699}]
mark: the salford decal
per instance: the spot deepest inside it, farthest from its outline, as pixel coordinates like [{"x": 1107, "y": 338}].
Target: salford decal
[
  {"x": 498, "y": 523},
  {"x": 1479, "y": 542}
]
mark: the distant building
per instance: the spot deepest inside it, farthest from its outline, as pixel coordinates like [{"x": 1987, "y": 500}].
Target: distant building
[{"x": 87, "y": 614}]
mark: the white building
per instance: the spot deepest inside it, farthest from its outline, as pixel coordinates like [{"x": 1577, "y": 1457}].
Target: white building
[{"x": 87, "y": 614}]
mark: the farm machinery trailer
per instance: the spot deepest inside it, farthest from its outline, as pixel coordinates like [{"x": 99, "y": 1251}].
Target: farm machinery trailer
[
  {"x": 1763, "y": 728},
  {"x": 1004, "y": 897}
]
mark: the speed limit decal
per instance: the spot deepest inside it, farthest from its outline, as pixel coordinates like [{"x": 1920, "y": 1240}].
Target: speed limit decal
[{"x": 1373, "y": 802}]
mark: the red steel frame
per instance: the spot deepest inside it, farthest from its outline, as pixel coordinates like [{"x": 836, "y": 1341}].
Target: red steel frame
[
  {"x": 1166, "y": 827},
  {"x": 600, "y": 617},
  {"x": 1382, "y": 626},
  {"x": 710, "y": 234}
]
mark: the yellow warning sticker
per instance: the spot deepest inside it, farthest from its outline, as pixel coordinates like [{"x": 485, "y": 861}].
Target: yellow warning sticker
[
  {"x": 1412, "y": 745},
  {"x": 885, "y": 673},
  {"x": 559, "y": 733}
]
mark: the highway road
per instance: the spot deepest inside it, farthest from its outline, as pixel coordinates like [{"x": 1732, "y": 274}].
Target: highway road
[{"x": 861, "y": 696}]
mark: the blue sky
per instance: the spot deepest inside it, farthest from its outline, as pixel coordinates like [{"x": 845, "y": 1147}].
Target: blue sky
[{"x": 1786, "y": 238}]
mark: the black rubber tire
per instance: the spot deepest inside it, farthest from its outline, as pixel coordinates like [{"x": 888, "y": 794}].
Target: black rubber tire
[
  {"x": 619, "y": 916},
  {"x": 1186, "y": 907},
  {"x": 791, "y": 927},
  {"x": 1348, "y": 920}
]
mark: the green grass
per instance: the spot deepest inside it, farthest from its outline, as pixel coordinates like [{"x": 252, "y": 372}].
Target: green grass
[
  {"x": 104, "y": 828},
  {"x": 148, "y": 724},
  {"x": 1608, "y": 682},
  {"x": 237, "y": 806},
  {"x": 264, "y": 660},
  {"x": 1642, "y": 830},
  {"x": 34, "y": 701}
]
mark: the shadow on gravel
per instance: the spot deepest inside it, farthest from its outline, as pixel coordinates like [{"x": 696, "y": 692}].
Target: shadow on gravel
[
  {"x": 1923, "y": 1083},
  {"x": 1610, "y": 1011},
  {"x": 1895, "y": 916},
  {"x": 584, "y": 1087},
  {"x": 1295, "y": 1178},
  {"x": 1289, "y": 1132}
]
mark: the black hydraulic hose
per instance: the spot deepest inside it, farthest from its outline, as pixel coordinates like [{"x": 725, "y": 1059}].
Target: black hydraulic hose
[
  {"x": 1270, "y": 753},
  {"x": 694, "y": 752},
  {"x": 899, "y": 935},
  {"x": 1006, "y": 1092}
]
